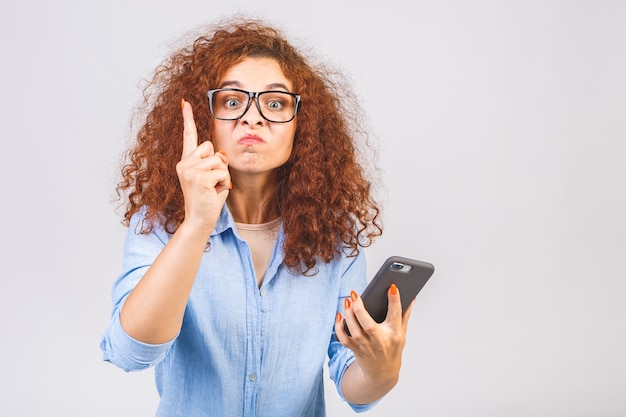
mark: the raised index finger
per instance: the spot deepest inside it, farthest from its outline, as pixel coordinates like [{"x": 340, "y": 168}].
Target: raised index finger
[{"x": 190, "y": 133}]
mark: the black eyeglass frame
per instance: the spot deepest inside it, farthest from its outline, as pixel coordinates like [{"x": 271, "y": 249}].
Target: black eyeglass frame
[{"x": 255, "y": 95}]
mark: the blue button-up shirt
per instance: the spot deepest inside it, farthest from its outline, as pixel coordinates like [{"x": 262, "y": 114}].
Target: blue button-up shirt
[{"x": 242, "y": 350}]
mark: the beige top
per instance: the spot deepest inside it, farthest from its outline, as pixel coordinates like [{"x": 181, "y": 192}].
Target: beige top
[{"x": 260, "y": 239}]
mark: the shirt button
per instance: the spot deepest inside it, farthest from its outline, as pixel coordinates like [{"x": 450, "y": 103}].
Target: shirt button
[
  {"x": 252, "y": 377},
  {"x": 262, "y": 293}
]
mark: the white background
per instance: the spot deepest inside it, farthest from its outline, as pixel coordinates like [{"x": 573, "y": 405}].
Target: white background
[{"x": 502, "y": 136}]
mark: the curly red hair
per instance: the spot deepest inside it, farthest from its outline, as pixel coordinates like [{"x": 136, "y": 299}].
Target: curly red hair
[{"x": 323, "y": 196}]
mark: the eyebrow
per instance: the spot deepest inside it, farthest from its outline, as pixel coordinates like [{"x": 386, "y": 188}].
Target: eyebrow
[{"x": 238, "y": 85}]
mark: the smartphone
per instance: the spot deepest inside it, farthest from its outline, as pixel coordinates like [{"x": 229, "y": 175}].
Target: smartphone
[{"x": 409, "y": 275}]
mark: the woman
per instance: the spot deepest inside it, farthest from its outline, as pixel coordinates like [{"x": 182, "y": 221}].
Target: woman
[{"x": 238, "y": 271}]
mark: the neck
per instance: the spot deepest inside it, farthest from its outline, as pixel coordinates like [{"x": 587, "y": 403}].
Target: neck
[{"x": 251, "y": 199}]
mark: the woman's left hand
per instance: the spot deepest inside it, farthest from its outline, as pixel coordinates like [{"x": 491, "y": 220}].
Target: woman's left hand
[{"x": 376, "y": 346}]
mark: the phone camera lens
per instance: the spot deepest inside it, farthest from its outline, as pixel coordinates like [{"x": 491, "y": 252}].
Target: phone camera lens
[{"x": 397, "y": 266}]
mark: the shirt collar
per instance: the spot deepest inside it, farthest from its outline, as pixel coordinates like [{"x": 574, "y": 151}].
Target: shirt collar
[{"x": 224, "y": 222}]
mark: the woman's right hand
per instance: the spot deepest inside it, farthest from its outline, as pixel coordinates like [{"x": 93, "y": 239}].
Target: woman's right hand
[
  {"x": 203, "y": 175},
  {"x": 153, "y": 312}
]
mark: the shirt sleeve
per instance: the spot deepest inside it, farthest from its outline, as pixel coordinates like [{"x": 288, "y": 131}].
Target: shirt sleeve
[
  {"x": 117, "y": 346},
  {"x": 340, "y": 357}
]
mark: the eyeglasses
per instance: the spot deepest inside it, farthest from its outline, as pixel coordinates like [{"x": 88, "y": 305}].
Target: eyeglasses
[{"x": 233, "y": 103}]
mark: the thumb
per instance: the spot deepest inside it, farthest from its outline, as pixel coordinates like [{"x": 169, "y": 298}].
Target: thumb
[{"x": 394, "y": 309}]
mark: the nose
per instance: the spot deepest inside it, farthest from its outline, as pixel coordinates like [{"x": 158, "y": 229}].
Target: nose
[{"x": 252, "y": 116}]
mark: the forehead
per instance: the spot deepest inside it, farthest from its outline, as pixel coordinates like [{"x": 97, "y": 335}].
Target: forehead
[{"x": 256, "y": 74}]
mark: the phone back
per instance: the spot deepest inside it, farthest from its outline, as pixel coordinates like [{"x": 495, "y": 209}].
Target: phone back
[{"x": 409, "y": 275}]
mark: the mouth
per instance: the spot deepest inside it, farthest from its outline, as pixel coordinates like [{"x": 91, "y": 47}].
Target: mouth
[{"x": 250, "y": 140}]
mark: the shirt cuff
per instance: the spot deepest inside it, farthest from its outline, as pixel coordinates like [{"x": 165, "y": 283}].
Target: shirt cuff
[
  {"x": 347, "y": 358},
  {"x": 130, "y": 354}
]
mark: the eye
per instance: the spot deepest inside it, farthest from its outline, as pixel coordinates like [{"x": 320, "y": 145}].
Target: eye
[
  {"x": 274, "y": 105},
  {"x": 275, "y": 101},
  {"x": 232, "y": 103}
]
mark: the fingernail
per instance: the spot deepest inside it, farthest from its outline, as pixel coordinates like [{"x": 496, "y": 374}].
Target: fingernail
[
  {"x": 393, "y": 289},
  {"x": 338, "y": 317},
  {"x": 353, "y": 295},
  {"x": 230, "y": 185},
  {"x": 346, "y": 303},
  {"x": 182, "y": 103}
]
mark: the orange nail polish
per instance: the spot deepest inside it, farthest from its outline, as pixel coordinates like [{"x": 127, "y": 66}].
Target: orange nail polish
[
  {"x": 182, "y": 103},
  {"x": 230, "y": 185},
  {"x": 346, "y": 303},
  {"x": 393, "y": 289},
  {"x": 338, "y": 317},
  {"x": 353, "y": 295}
]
